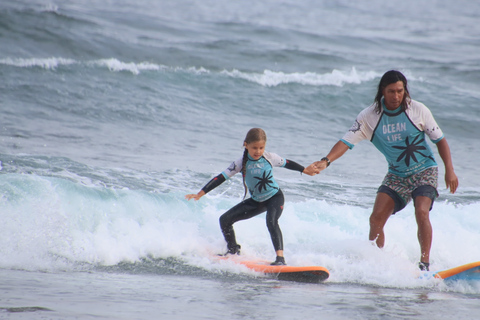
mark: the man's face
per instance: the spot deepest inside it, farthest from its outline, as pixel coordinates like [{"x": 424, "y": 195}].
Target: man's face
[{"x": 393, "y": 94}]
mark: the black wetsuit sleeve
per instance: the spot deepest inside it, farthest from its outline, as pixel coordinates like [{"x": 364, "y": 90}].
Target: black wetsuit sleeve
[
  {"x": 292, "y": 165},
  {"x": 215, "y": 182}
]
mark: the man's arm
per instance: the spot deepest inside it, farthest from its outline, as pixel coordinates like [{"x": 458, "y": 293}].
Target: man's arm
[
  {"x": 451, "y": 179},
  {"x": 336, "y": 152}
]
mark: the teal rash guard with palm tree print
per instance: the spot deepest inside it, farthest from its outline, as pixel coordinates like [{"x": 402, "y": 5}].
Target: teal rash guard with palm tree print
[
  {"x": 258, "y": 176},
  {"x": 399, "y": 135}
]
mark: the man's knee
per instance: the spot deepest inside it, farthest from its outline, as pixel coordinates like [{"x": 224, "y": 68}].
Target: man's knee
[
  {"x": 375, "y": 220},
  {"x": 422, "y": 213}
]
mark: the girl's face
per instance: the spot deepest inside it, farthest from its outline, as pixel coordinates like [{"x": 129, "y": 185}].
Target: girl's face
[{"x": 255, "y": 149}]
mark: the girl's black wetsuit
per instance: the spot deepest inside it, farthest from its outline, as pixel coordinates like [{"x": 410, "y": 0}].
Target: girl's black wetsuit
[{"x": 265, "y": 196}]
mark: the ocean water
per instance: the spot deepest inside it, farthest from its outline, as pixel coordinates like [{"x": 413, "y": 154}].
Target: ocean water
[{"x": 112, "y": 111}]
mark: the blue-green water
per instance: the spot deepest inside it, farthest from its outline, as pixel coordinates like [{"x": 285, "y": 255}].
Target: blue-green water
[{"x": 113, "y": 111}]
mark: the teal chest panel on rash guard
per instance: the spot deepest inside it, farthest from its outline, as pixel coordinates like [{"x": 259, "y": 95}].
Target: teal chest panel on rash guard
[
  {"x": 403, "y": 144},
  {"x": 259, "y": 179}
]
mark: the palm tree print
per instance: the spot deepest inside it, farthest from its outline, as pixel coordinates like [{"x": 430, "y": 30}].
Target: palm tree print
[
  {"x": 393, "y": 167},
  {"x": 264, "y": 181},
  {"x": 410, "y": 149}
]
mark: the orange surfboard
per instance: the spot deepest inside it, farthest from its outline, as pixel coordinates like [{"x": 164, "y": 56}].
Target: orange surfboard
[
  {"x": 470, "y": 271},
  {"x": 311, "y": 274}
]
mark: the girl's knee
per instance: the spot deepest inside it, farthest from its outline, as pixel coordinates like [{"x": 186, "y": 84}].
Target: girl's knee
[{"x": 224, "y": 221}]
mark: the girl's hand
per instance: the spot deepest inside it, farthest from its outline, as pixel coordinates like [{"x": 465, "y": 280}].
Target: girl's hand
[
  {"x": 195, "y": 196},
  {"x": 320, "y": 165},
  {"x": 311, "y": 170}
]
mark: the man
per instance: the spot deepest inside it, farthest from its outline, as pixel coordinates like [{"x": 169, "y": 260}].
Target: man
[{"x": 397, "y": 125}]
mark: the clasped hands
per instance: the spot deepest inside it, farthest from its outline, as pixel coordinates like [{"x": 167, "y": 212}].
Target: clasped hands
[{"x": 315, "y": 168}]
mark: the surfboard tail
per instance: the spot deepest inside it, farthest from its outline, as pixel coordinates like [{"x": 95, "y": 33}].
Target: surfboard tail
[
  {"x": 304, "y": 276},
  {"x": 470, "y": 271}
]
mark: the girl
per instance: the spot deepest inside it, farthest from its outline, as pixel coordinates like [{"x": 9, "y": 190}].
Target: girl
[{"x": 256, "y": 166}]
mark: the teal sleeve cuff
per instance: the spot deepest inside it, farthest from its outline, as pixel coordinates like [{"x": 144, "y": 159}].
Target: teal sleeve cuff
[
  {"x": 349, "y": 145},
  {"x": 438, "y": 140}
]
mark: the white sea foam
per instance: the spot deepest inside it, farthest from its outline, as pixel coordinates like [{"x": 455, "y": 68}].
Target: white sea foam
[
  {"x": 135, "y": 68},
  {"x": 268, "y": 78},
  {"x": 50, "y": 7},
  {"x": 46, "y": 63},
  {"x": 336, "y": 77},
  {"x": 49, "y": 221},
  {"x": 52, "y": 63}
]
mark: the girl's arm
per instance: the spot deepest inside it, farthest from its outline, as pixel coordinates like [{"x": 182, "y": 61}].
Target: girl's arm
[
  {"x": 212, "y": 184},
  {"x": 292, "y": 165}
]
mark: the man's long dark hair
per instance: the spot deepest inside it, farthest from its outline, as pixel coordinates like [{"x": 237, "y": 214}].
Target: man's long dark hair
[{"x": 392, "y": 76}]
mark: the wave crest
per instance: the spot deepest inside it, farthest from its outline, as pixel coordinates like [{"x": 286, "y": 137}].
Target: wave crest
[
  {"x": 45, "y": 63},
  {"x": 268, "y": 78},
  {"x": 336, "y": 77}
]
